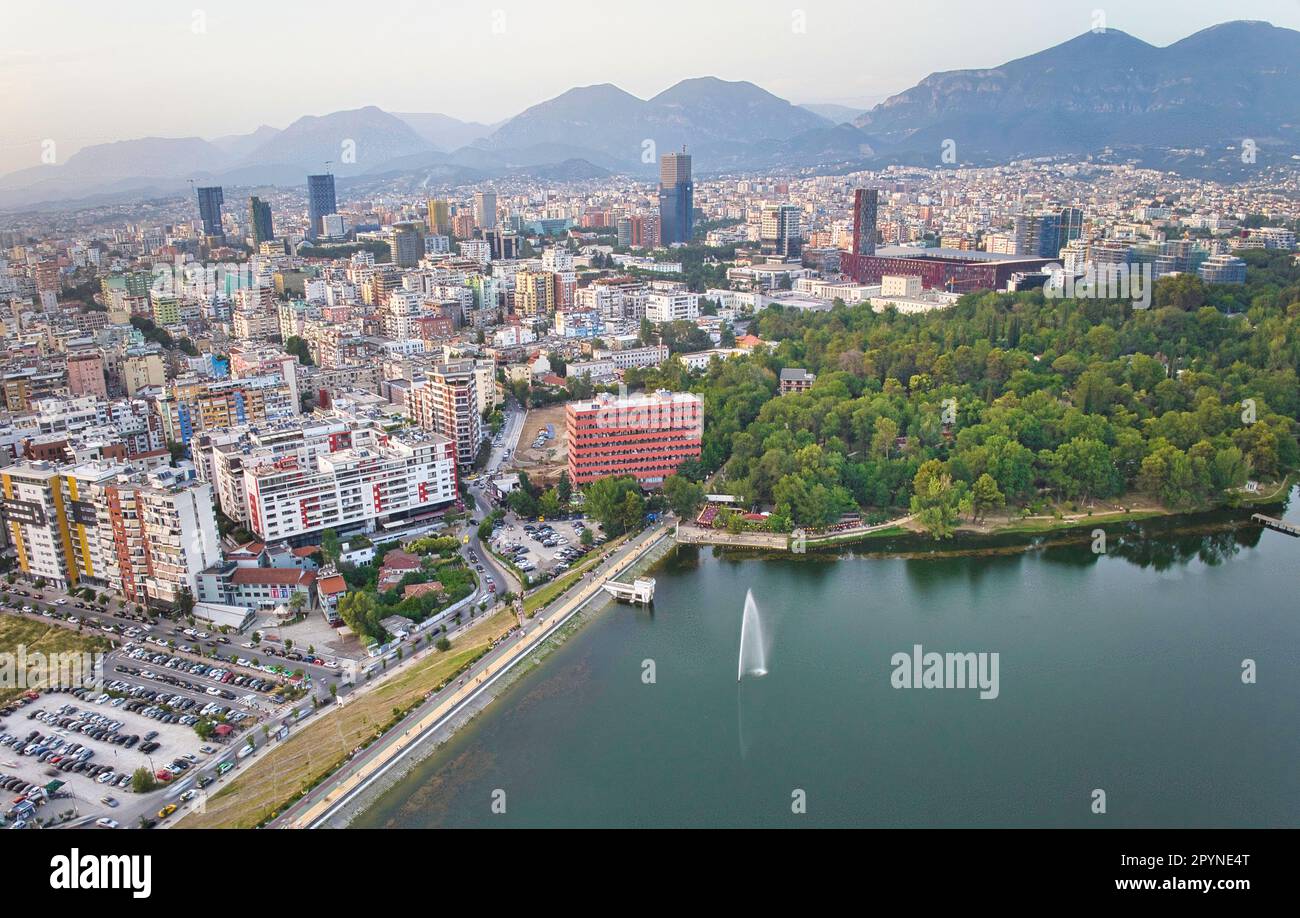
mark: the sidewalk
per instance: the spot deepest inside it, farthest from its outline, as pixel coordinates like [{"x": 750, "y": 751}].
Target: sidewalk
[{"x": 392, "y": 749}]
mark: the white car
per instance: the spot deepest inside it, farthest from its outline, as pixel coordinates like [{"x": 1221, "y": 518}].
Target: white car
[
  {"x": 60, "y": 602},
  {"x": 106, "y": 823}
]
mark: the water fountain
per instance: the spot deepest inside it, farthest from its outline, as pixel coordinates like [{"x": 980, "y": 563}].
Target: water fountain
[{"x": 753, "y": 650}]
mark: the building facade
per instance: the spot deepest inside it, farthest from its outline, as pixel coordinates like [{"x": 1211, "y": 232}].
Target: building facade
[{"x": 648, "y": 436}]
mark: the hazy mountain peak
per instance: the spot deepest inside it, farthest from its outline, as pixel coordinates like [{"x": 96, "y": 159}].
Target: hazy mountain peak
[
  {"x": 353, "y": 140},
  {"x": 1106, "y": 89}
]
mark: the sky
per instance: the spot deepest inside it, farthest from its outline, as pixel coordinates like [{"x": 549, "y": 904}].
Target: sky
[{"x": 78, "y": 73}]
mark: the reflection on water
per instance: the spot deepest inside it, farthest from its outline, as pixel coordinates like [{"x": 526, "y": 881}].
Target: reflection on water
[{"x": 1115, "y": 673}]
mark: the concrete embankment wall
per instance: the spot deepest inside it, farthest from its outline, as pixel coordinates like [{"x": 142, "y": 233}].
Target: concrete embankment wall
[{"x": 694, "y": 535}]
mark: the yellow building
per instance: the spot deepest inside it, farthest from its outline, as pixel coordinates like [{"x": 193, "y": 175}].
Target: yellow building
[
  {"x": 534, "y": 293},
  {"x": 166, "y": 310},
  {"x": 34, "y": 512},
  {"x": 142, "y": 370},
  {"x": 439, "y": 218}
]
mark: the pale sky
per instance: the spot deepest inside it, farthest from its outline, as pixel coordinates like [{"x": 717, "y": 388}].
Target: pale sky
[{"x": 82, "y": 73}]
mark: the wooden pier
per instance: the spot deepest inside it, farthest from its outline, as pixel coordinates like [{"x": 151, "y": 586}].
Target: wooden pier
[{"x": 1279, "y": 525}]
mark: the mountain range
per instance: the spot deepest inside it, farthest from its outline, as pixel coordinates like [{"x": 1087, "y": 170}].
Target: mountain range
[
  {"x": 1108, "y": 89},
  {"x": 1191, "y": 103}
]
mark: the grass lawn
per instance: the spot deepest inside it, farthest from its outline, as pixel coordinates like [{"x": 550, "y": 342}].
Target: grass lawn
[
  {"x": 1034, "y": 526},
  {"x": 42, "y": 637},
  {"x": 313, "y": 751}
]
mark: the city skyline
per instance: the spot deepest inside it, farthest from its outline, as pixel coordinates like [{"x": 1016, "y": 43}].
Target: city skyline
[
  {"x": 687, "y": 450},
  {"x": 47, "y": 62}
]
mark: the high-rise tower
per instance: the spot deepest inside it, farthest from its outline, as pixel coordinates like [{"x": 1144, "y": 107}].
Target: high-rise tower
[
  {"x": 320, "y": 201},
  {"x": 676, "y": 198}
]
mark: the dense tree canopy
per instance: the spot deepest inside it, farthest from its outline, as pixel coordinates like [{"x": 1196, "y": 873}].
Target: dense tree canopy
[{"x": 1015, "y": 398}]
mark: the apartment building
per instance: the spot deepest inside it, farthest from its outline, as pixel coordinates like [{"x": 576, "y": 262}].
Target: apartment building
[
  {"x": 174, "y": 514},
  {"x": 146, "y": 535},
  {"x": 34, "y": 513},
  {"x": 190, "y": 405},
  {"x": 221, "y": 455},
  {"x": 141, "y": 370},
  {"x": 648, "y": 436},
  {"x": 672, "y": 306},
  {"x": 350, "y": 490},
  {"x": 614, "y": 298},
  {"x": 534, "y": 293},
  {"x": 446, "y": 401},
  {"x": 628, "y": 357}
]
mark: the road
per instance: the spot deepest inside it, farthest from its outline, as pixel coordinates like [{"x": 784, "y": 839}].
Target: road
[
  {"x": 319, "y": 805},
  {"x": 510, "y": 431}
]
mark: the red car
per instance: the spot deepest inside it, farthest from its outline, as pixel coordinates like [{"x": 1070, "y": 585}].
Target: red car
[{"x": 163, "y": 775}]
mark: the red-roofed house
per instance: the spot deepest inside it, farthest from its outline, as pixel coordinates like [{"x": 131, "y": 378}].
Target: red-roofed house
[
  {"x": 397, "y": 564},
  {"x": 419, "y": 589},
  {"x": 268, "y": 587}
]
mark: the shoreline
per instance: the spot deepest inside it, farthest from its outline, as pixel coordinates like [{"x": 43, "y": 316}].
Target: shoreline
[
  {"x": 575, "y": 610},
  {"x": 425, "y": 748},
  {"x": 394, "y": 746},
  {"x": 895, "y": 539},
  {"x": 1170, "y": 524}
]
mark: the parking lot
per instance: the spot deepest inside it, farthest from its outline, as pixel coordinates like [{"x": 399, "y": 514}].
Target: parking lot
[
  {"x": 77, "y": 751},
  {"x": 543, "y": 547}
]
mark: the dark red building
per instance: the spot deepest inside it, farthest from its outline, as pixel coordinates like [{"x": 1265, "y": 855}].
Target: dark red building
[{"x": 952, "y": 270}]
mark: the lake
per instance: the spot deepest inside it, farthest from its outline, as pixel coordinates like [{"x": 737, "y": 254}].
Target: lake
[{"x": 1120, "y": 672}]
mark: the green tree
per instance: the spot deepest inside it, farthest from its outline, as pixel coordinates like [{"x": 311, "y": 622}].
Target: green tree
[
  {"x": 936, "y": 500},
  {"x": 607, "y": 500},
  {"x": 883, "y": 437},
  {"x": 300, "y": 349},
  {"x": 684, "y": 496},
  {"x": 360, "y": 612},
  {"x": 633, "y": 512},
  {"x": 330, "y": 546},
  {"x": 985, "y": 495},
  {"x": 143, "y": 781}
]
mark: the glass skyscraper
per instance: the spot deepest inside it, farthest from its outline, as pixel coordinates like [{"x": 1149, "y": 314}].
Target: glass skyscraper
[
  {"x": 259, "y": 221},
  {"x": 210, "y": 201},
  {"x": 676, "y": 198},
  {"x": 320, "y": 201}
]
